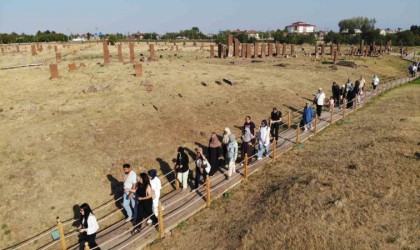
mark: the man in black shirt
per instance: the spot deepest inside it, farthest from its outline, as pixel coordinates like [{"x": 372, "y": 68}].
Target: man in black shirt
[
  {"x": 275, "y": 119},
  {"x": 336, "y": 93}
]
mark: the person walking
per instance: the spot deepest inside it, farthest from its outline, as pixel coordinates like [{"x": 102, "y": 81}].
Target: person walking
[
  {"x": 156, "y": 186},
  {"x": 319, "y": 101},
  {"x": 130, "y": 183},
  {"x": 202, "y": 167},
  {"x": 225, "y": 143},
  {"x": 214, "y": 153},
  {"x": 263, "y": 139},
  {"x": 145, "y": 197},
  {"x": 232, "y": 155},
  {"x": 336, "y": 92},
  {"x": 247, "y": 147},
  {"x": 275, "y": 119},
  {"x": 308, "y": 114},
  {"x": 375, "y": 82},
  {"x": 362, "y": 84},
  {"x": 181, "y": 168},
  {"x": 250, "y": 124},
  {"x": 88, "y": 226}
]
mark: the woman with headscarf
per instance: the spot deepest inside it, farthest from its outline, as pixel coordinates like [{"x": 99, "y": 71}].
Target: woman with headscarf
[
  {"x": 214, "y": 153},
  {"x": 247, "y": 147},
  {"x": 181, "y": 168},
  {"x": 232, "y": 154},
  {"x": 225, "y": 143},
  {"x": 202, "y": 167}
]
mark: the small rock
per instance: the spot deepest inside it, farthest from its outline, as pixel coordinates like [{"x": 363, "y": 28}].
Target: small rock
[
  {"x": 204, "y": 84},
  {"x": 219, "y": 82},
  {"x": 338, "y": 203},
  {"x": 180, "y": 95},
  {"x": 202, "y": 133}
]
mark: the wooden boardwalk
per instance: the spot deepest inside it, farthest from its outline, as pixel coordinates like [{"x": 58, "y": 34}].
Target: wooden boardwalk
[{"x": 180, "y": 205}]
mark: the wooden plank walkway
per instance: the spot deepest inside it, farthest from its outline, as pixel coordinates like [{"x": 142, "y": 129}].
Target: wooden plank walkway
[{"x": 180, "y": 205}]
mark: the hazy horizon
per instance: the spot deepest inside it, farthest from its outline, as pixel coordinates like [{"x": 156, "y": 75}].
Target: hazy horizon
[{"x": 160, "y": 16}]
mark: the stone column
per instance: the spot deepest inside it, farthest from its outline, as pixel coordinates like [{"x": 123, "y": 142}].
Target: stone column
[
  {"x": 284, "y": 49},
  {"x": 335, "y": 56},
  {"x": 243, "y": 50},
  {"x": 256, "y": 52},
  {"x": 248, "y": 50},
  {"x": 230, "y": 45},
  {"x": 58, "y": 57},
  {"x": 152, "y": 52},
  {"x": 33, "y": 49},
  {"x": 212, "y": 51},
  {"x": 138, "y": 69},
  {"x": 263, "y": 50},
  {"x": 219, "y": 50},
  {"x": 120, "y": 58},
  {"x": 106, "y": 51},
  {"x": 277, "y": 49},
  {"x": 132, "y": 56},
  {"x": 316, "y": 50},
  {"x": 53, "y": 71},
  {"x": 338, "y": 49},
  {"x": 322, "y": 49},
  {"x": 362, "y": 51},
  {"x": 270, "y": 50},
  {"x": 292, "y": 49}
]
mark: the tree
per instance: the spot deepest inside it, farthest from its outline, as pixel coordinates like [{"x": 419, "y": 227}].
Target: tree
[{"x": 357, "y": 23}]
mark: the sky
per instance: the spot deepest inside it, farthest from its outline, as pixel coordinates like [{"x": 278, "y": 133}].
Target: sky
[{"x": 211, "y": 16}]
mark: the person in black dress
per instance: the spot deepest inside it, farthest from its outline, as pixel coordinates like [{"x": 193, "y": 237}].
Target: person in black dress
[
  {"x": 144, "y": 195},
  {"x": 214, "y": 153},
  {"x": 275, "y": 119}
]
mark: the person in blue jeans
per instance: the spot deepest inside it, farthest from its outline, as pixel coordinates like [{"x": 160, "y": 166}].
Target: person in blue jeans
[{"x": 129, "y": 199}]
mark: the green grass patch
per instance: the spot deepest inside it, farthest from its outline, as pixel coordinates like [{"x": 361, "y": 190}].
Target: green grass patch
[{"x": 183, "y": 224}]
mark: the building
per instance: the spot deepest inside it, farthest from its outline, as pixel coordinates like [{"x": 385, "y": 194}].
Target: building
[
  {"x": 253, "y": 33},
  {"x": 301, "y": 28}
]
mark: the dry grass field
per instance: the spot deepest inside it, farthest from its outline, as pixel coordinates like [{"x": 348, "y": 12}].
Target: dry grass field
[
  {"x": 354, "y": 186},
  {"x": 63, "y": 141}
]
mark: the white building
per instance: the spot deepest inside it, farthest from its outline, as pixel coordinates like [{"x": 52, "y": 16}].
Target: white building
[{"x": 300, "y": 27}]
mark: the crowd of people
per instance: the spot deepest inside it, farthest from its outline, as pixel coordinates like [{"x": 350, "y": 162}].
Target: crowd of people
[{"x": 141, "y": 192}]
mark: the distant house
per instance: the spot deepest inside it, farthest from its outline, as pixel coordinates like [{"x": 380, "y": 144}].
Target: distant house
[
  {"x": 301, "y": 28},
  {"x": 253, "y": 33}
]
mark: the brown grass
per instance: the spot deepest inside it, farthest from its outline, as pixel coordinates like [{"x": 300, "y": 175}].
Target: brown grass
[
  {"x": 354, "y": 186},
  {"x": 59, "y": 144}
]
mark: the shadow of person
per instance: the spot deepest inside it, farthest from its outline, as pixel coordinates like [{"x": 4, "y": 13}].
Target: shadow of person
[
  {"x": 116, "y": 189},
  {"x": 76, "y": 216},
  {"x": 165, "y": 168},
  {"x": 293, "y": 109}
]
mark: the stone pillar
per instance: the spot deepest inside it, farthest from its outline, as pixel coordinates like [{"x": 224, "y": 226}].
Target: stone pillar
[
  {"x": 256, "y": 52},
  {"x": 284, "y": 49},
  {"x": 224, "y": 51},
  {"x": 152, "y": 52},
  {"x": 270, "y": 50},
  {"x": 132, "y": 55},
  {"x": 138, "y": 69},
  {"x": 120, "y": 57},
  {"x": 230, "y": 45},
  {"x": 106, "y": 52},
  {"x": 362, "y": 51},
  {"x": 17, "y": 48},
  {"x": 338, "y": 49},
  {"x": 220, "y": 50},
  {"x": 322, "y": 49},
  {"x": 335, "y": 56},
  {"x": 33, "y": 49},
  {"x": 58, "y": 57},
  {"x": 248, "y": 50},
  {"x": 212, "y": 51},
  {"x": 53, "y": 71},
  {"x": 316, "y": 50},
  {"x": 292, "y": 49},
  {"x": 243, "y": 50},
  {"x": 263, "y": 50},
  {"x": 236, "y": 48},
  {"x": 72, "y": 66},
  {"x": 277, "y": 49}
]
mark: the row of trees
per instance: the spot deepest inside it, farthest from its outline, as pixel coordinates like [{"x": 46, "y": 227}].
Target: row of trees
[{"x": 46, "y": 36}]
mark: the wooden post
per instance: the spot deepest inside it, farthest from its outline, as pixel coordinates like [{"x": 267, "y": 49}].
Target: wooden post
[
  {"x": 208, "y": 195},
  {"x": 289, "y": 121},
  {"x": 62, "y": 239},
  {"x": 316, "y": 122},
  {"x": 87, "y": 246},
  {"x": 160, "y": 221},
  {"x": 274, "y": 149},
  {"x": 297, "y": 134},
  {"x": 332, "y": 115},
  {"x": 246, "y": 167},
  {"x": 344, "y": 106}
]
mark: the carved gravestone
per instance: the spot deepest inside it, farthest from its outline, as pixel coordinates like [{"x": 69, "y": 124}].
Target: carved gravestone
[
  {"x": 277, "y": 49},
  {"x": 106, "y": 52},
  {"x": 53, "y": 71},
  {"x": 361, "y": 48},
  {"x": 270, "y": 50},
  {"x": 131, "y": 46},
  {"x": 256, "y": 52},
  {"x": 243, "y": 50},
  {"x": 139, "y": 71},
  {"x": 236, "y": 48},
  {"x": 248, "y": 50},
  {"x": 82, "y": 65},
  {"x": 212, "y": 51},
  {"x": 33, "y": 49},
  {"x": 292, "y": 49},
  {"x": 220, "y": 50},
  {"x": 335, "y": 56},
  {"x": 284, "y": 49},
  {"x": 120, "y": 57},
  {"x": 152, "y": 52},
  {"x": 263, "y": 50},
  {"x": 58, "y": 57},
  {"x": 322, "y": 49}
]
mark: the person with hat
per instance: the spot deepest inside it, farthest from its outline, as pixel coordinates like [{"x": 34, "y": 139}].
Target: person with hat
[
  {"x": 263, "y": 139},
  {"x": 156, "y": 187}
]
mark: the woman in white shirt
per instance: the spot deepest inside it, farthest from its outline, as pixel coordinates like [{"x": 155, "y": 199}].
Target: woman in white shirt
[{"x": 88, "y": 226}]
